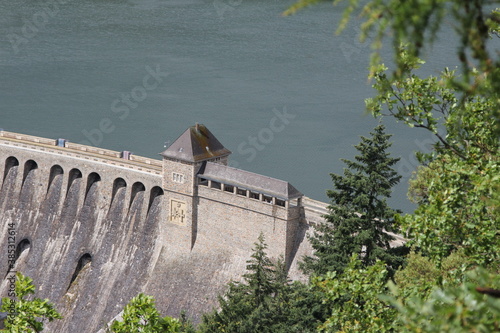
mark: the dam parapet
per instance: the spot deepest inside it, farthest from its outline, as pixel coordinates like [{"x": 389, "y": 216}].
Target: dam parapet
[{"x": 64, "y": 147}]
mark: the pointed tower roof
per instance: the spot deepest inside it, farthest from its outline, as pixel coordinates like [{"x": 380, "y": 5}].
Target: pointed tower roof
[{"x": 196, "y": 144}]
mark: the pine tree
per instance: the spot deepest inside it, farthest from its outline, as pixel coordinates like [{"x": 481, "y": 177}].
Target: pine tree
[
  {"x": 243, "y": 299},
  {"x": 259, "y": 278},
  {"x": 265, "y": 301},
  {"x": 359, "y": 215}
]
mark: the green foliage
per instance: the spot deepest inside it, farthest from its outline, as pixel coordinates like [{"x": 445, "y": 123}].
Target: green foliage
[
  {"x": 262, "y": 277},
  {"x": 431, "y": 103},
  {"x": 359, "y": 214},
  {"x": 494, "y": 22},
  {"x": 301, "y": 4},
  {"x": 417, "y": 23},
  {"x": 141, "y": 315},
  {"x": 28, "y": 312},
  {"x": 454, "y": 211},
  {"x": 421, "y": 275},
  {"x": 452, "y": 308},
  {"x": 457, "y": 190},
  {"x": 265, "y": 301},
  {"x": 353, "y": 297}
]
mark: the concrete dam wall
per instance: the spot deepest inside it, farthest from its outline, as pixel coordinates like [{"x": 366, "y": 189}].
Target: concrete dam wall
[
  {"x": 72, "y": 215},
  {"x": 94, "y": 229}
]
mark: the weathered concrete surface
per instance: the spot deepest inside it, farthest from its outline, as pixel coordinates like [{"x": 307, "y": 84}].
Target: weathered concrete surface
[{"x": 70, "y": 218}]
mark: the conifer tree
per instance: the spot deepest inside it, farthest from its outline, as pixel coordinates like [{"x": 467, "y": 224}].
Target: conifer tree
[
  {"x": 265, "y": 301},
  {"x": 260, "y": 276},
  {"x": 359, "y": 215}
]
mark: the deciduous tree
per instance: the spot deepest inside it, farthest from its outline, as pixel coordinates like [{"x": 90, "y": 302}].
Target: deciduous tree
[
  {"x": 456, "y": 188},
  {"x": 27, "y": 314},
  {"x": 353, "y": 299},
  {"x": 451, "y": 308},
  {"x": 141, "y": 316}
]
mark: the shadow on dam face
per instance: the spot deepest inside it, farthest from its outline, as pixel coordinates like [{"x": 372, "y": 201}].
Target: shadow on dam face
[
  {"x": 84, "y": 260},
  {"x": 55, "y": 172},
  {"x": 22, "y": 250}
]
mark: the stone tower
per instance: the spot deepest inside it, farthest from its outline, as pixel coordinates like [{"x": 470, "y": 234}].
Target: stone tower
[{"x": 181, "y": 163}]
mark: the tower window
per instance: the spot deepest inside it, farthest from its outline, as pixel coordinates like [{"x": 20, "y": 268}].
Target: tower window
[
  {"x": 177, "y": 177},
  {"x": 216, "y": 185},
  {"x": 280, "y": 203},
  {"x": 267, "y": 199}
]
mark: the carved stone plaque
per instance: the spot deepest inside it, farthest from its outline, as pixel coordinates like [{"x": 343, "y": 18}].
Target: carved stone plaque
[{"x": 178, "y": 212}]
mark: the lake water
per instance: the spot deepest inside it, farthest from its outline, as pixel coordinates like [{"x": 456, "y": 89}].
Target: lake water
[{"x": 285, "y": 94}]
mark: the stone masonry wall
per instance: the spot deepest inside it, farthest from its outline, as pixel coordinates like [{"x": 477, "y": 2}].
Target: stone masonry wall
[{"x": 229, "y": 220}]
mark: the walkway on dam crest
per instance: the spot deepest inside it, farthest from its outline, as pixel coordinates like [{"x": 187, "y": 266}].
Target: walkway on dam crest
[{"x": 62, "y": 147}]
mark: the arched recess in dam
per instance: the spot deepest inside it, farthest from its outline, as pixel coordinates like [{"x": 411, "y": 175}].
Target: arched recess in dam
[
  {"x": 71, "y": 204},
  {"x": 7, "y": 191},
  {"x": 29, "y": 168},
  {"x": 118, "y": 197},
  {"x": 118, "y": 184},
  {"x": 22, "y": 250},
  {"x": 73, "y": 175},
  {"x": 83, "y": 263},
  {"x": 28, "y": 185},
  {"x": 91, "y": 190},
  {"x": 11, "y": 164},
  {"x": 154, "y": 198},
  {"x": 55, "y": 171},
  {"x": 137, "y": 187}
]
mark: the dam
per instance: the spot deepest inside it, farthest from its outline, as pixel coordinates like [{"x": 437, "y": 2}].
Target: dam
[{"x": 95, "y": 227}]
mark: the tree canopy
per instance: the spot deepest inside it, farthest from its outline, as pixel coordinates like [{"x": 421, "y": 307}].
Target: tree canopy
[
  {"x": 417, "y": 24},
  {"x": 456, "y": 188},
  {"x": 456, "y": 225},
  {"x": 26, "y": 313},
  {"x": 265, "y": 301},
  {"x": 141, "y": 316},
  {"x": 359, "y": 217}
]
